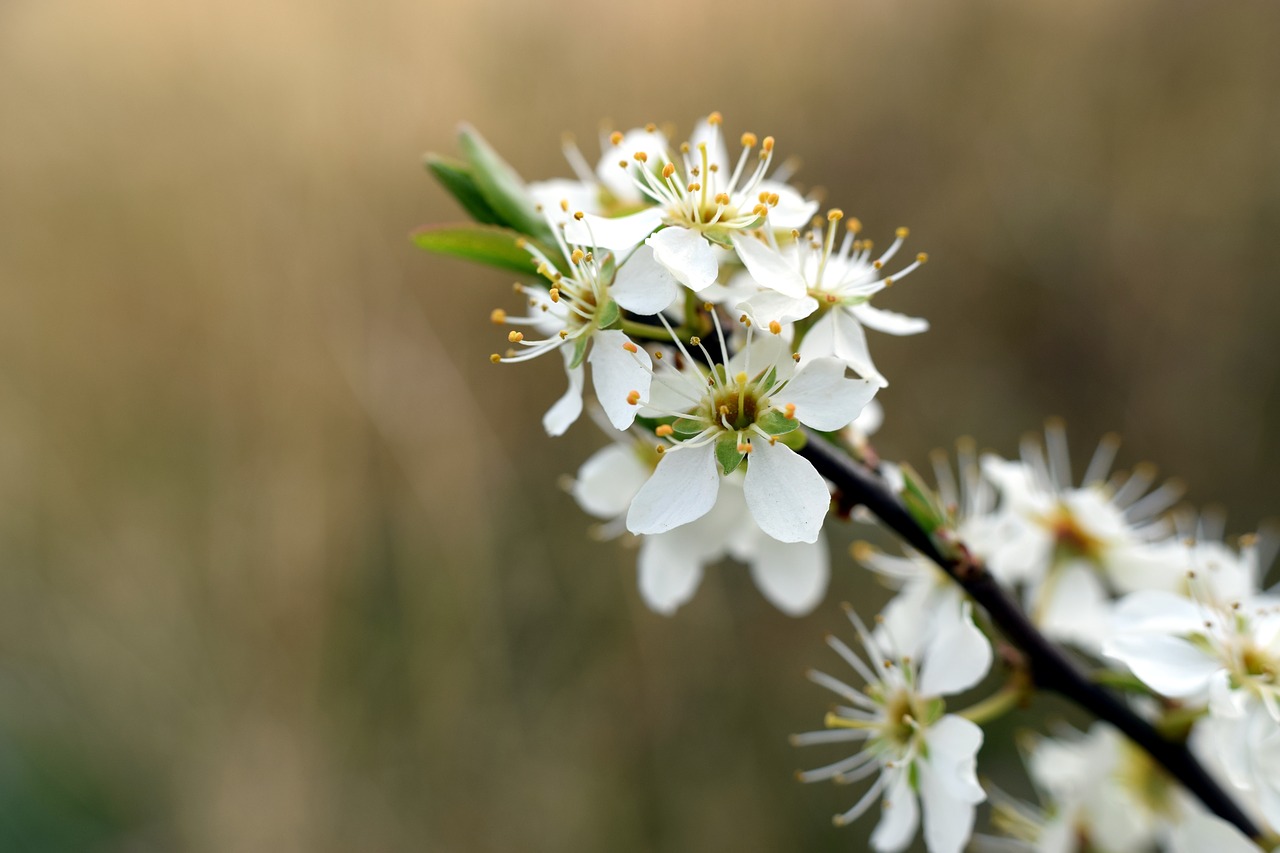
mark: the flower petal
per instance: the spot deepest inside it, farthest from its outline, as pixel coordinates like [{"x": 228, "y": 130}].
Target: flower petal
[
  {"x": 793, "y": 576},
  {"x": 618, "y": 180},
  {"x": 786, "y": 496},
  {"x": 642, "y": 285},
  {"x": 609, "y": 479},
  {"x": 1168, "y": 665},
  {"x": 687, "y": 255},
  {"x": 567, "y": 409},
  {"x": 839, "y": 334},
  {"x": 792, "y": 209},
  {"x": 617, "y": 372},
  {"x": 824, "y": 398},
  {"x": 769, "y": 268},
  {"x": 620, "y": 234},
  {"x": 889, "y": 322},
  {"x": 768, "y": 306},
  {"x": 683, "y": 487},
  {"x": 1201, "y": 831},
  {"x": 953, "y": 755},
  {"x": 669, "y": 572},
  {"x": 948, "y": 822},
  {"x": 958, "y": 655},
  {"x": 899, "y": 817}
]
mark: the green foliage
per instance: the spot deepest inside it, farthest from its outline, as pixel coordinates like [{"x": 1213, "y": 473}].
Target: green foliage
[
  {"x": 921, "y": 502},
  {"x": 486, "y": 244},
  {"x": 500, "y": 185},
  {"x": 776, "y": 423},
  {"x": 455, "y": 176}
]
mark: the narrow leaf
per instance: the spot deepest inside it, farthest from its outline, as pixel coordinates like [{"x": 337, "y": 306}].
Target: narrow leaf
[
  {"x": 483, "y": 243},
  {"x": 500, "y": 185},
  {"x": 455, "y": 176}
]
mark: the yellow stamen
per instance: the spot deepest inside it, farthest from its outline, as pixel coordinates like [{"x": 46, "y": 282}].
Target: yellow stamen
[
  {"x": 902, "y": 232},
  {"x": 616, "y": 137},
  {"x": 497, "y": 316},
  {"x": 664, "y": 430},
  {"x": 668, "y": 170},
  {"x": 775, "y": 327},
  {"x": 633, "y": 397},
  {"x": 749, "y": 140},
  {"x": 641, "y": 156},
  {"x": 715, "y": 118},
  {"x": 515, "y": 337},
  {"x": 495, "y": 358},
  {"x": 790, "y": 411},
  {"x": 630, "y": 347}
]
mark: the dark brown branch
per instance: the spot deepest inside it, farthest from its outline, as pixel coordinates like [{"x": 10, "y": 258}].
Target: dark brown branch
[{"x": 1049, "y": 667}]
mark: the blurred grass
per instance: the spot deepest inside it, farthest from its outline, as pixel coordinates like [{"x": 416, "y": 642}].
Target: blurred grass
[{"x": 283, "y": 565}]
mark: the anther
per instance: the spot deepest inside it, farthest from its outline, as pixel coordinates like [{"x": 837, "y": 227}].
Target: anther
[
  {"x": 578, "y": 214},
  {"x": 835, "y": 214},
  {"x": 749, "y": 140},
  {"x": 630, "y": 347},
  {"x": 715, "y": 118},
  {"x": 495, "y": 358},
  {"x": 760, "y": 210},
  {"x": 795, "y": 356},
  {"x": 668, "y": 170},
  {"x": 658, "y": 355},
  {"x": 660, "y": 449},
  {"x": 831, "y": 297},
  {"x": 763, "y": 197},
  {"x": 564, "y": 205},
  {"x": 664, "y": 430},
  {"x": 515, "y": 337},
  {"x": 641, "y": 156},
  {"x": 694, "y": 187},
  {"x": 862, "y": 551},
  {"x": 902, "y": 232},
  {"x": 708, "y": 306},
  {"x": 633, "y": 397},
  {"x": 616, "y": 137},
  {"x": 854, "y": 225},
  {"x": 521, "y": 242},
  {"x": 554, "y": 293},
  {"x": 564, "y": 334},
  {"x": 790, "y": 410},
  {"x": 695, "y": 341},
  {"x": 767, "y": 145},
  {"x": 722, "y": 198},
  {"x": 775, "y": 327},
  {"x": 684, "y": 148},
  {"x": 624, "y": 164},
  {"x": 577, "y": 256},
  {"x": 497, "y": 316},
  {"x": 650, "y": 127},
  {"x": 888, "y": 281},
  {"x": 744, "y": 448},
  {"x": 877, "y": 264},
  {"x": 774, "y": 198},
  {"x": 923, "y": 257}
]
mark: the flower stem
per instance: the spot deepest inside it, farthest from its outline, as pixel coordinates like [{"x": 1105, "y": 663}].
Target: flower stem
[
  {"x": 997, "y": 704},
  {"x": 1047, "y": 664}
]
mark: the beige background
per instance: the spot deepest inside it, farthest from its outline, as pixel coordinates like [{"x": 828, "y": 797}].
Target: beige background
[{"x": 283, "y": 560}]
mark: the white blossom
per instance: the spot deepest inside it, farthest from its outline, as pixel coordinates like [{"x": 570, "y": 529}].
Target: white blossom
[{"x": 922, "y": 758}]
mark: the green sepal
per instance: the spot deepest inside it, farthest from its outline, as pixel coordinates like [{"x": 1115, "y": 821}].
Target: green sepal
[
  {"x": 500, "y": 185},
  {"x": 771, "y": 379},
  {"x": 727, "y": 452},
  {"x": 486, "y": 244},
  {"x": 921, "y": 502},
  {"x": 795, "y": 439},
  {"x": 776, "y": 423},
  {"x": 685, "y": 427},
  {"x": 455, "y": 176},
  {"x": 579, "y": 350},
  {"x": 609, "y": 316}
]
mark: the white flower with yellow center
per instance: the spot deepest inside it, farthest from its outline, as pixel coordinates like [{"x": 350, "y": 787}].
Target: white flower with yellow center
[
  {"x": 606, "y": 189},
  {"x": 915, "y": 751},
  {"x": 1073, "y": 546},
  {"x": 839, "y": 284},
  {"x": 703, "y": 206},
  {"x": 733, "y": 413},
  {"x": 578, "y": 315}
]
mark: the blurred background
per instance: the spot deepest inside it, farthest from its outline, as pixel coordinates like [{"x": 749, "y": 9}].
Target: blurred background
[{"x": 284, "y": 561}]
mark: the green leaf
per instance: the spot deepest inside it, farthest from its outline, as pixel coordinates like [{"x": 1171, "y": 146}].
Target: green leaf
[
  {"x": 456, "y": 177},
  {"x": 776, "y": 423},
  {"x": 686, "y": 427},
  {"x": 609, "y": 315},
  {"x": 923, "y": 505},
  {"x": 727, "y": 452},
  {"x": 483, "y": 243},
  {"x": 579, "y": 349},
  {"x": 500, "y": 185}
]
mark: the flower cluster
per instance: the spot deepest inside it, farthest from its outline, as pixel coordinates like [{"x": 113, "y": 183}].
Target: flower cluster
[{"x": 723, "y": 322}]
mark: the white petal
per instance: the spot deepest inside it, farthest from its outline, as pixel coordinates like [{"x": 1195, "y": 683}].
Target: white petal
[
  {"x": 1078, "y": 607},
  {"x": 1157, "y": 612},
  {"x": 769, "y": 306},
  {"x": 899, "y": 818},
  {"x": 824, "y": 398},
  {"x": 769, "y": 268},
  {"x": 786, "y": 496},
  {"x": 609, "y": 479},
  {"x": 687, "y": 255},
  {"x": 1168, "y": 665},
  {"x": 793, "y": 576},
  {"x": 953, "y": 754},
  {"x": 959, "y": 654},
  {"x": 683, "y": 487},
  {"x": 549, "y": 194},
  {"x": 619, "y": 234},
  {"x": 765, "y": 351},
  {"x": 669, "y": 572},
  {"x": 792, "y": 210},
  {"x": 839, "y": 334},
  {"x": 889, "y": 322},
  {"x": 705, "y": 133},
  {"x": 1201, "y": 831},
  {"x": 566, "y": 410},
  {"x": 642, "y": 285},
  {"x": 615, "y": 373},
  {"x": 948, "y": 822},
  {"x": 616, "y": 179}
]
